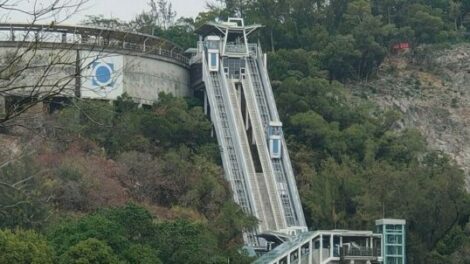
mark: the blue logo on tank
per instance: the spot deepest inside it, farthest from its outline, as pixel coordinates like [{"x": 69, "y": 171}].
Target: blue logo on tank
[{"x": 103, "y": 74}]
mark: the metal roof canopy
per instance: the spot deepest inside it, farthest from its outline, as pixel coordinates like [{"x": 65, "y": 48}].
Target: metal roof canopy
[
  {"x": 107, "y": 33},
  {"x": 305, "y": 237},
  {"x": 221, "y": 28},
  {"x": 389, "y": 221}
]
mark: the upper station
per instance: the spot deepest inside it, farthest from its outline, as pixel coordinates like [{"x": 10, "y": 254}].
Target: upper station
[{"x": 232, "y": 37}]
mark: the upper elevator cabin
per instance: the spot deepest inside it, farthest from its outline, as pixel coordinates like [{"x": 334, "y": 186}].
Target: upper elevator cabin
[{"x": 213, "y": 52}]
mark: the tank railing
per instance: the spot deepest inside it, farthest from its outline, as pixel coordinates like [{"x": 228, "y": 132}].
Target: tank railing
[{"x": 96, "y": 41}]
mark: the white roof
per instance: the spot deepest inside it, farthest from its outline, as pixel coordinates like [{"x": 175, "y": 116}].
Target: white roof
[
  {"x": 212, "y": 37},
  {"x": 350, "y": 233},
  {"x": 390, "y": 222}
]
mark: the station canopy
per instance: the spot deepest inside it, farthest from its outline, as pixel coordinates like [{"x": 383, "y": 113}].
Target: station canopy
[{"x": 220, "y": 28}]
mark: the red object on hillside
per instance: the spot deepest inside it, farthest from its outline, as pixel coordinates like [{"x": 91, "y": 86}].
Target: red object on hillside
[{"x": 402, "y": 46}]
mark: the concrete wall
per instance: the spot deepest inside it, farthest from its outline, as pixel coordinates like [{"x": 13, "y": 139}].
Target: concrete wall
[
  {"x": 38, "y": 73},
  {"x": 144, "y": 78},
  {"x": 2, "y": 107},
  {"x": 141, "y": 76}
]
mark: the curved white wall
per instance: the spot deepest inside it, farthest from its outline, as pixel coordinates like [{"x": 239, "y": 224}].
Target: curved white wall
[{"x": 141, "y": 76}]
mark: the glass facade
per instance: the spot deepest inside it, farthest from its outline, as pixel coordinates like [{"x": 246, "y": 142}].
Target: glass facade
[{"x": 393, "y": 242}]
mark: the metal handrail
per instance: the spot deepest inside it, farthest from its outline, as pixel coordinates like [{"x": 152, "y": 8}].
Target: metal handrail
[
  {"x": 235, "y": 48},
  {"x": 94, "y": 41},
  {"x": 359, "y": 252},
  {"x": 275, "y": 117}
]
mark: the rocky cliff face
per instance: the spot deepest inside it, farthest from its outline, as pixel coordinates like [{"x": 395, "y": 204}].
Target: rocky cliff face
[{"x": 431, "y": 88}]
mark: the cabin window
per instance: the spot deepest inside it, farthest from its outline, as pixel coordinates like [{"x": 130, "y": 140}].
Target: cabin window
[
  {"x": 276, "y": 147},
  {"x": 213, "y": 57}
]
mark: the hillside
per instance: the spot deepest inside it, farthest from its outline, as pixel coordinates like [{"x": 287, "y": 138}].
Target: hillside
[
  {"x": 354, "y": 163},
  {"x": 367, "y": 131},
  {"x": 430, "y": 89},
  {"x": 134, "y": 184}
]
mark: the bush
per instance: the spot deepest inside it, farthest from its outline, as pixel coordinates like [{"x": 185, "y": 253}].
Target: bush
[
  {"x": 24, "y": 247},
  {"x": 89, "y": 251}
]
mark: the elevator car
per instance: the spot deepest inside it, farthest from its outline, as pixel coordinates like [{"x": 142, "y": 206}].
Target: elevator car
[
  {"x": 213, "y": 52},
  {"x": 275, "y": 139}
]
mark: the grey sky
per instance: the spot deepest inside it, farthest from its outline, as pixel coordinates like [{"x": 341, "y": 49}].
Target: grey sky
[
  {"x": 128, "y": 9},
  {"x": 122, "y": 9}
]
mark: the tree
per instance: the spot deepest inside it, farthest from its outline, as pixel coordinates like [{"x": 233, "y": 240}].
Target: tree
[
  {"x": 181, "y": 33},
  {"x": 160, "y": 16},
  {"x": 110, "y": 235},
  {"x": 27, "y": 75},
  {"x": 389, "y": 9},
  {"x": 296, "y": 63},
  {"x": 184, "y": 242},
  {"x": 24, "y": 247},
  {"x": 273, "y": 14},
  {"x": 330, "y": 199},
  {"x": 426, "y": 24},
  {"x": 230, "y": 8},
  {"x": 22, "y": 204},
  {"x": 230, "y": 223},
  {"x": 89, "y": 251},
  {"x": 101, "y": 21},
  {"x": 142, "y": 254},
  {"x": 69, "y": 233},
  {"x": 370, "y": 36},
  {"x": 339, "y": 57},
  {"x": 130, "y": 234}
]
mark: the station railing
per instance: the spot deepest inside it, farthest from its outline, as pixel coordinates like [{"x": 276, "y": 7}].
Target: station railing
[{"x": 359, "y": 252}]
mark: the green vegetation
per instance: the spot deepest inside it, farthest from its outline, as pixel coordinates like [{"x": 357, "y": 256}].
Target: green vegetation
[
  {"x": 161, "y": 159},
  {"x": 24, "y": 247},
  {"x": 122, "y": 184},
  {"x": 131, "y": 235},
  {"x": 353, "y": 167},
  {"x": 350, "y": 39}
]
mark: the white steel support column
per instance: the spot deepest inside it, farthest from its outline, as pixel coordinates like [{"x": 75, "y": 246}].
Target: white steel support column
[
  {"x": 299, "y": 257},
  {"x": 206, "y": 103},
  {"x": 321, "y": 249},
  {"x": 310, "y": 252},
  {"x": 340, "y": 245},
  {"x": 331, "y": 245}
]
